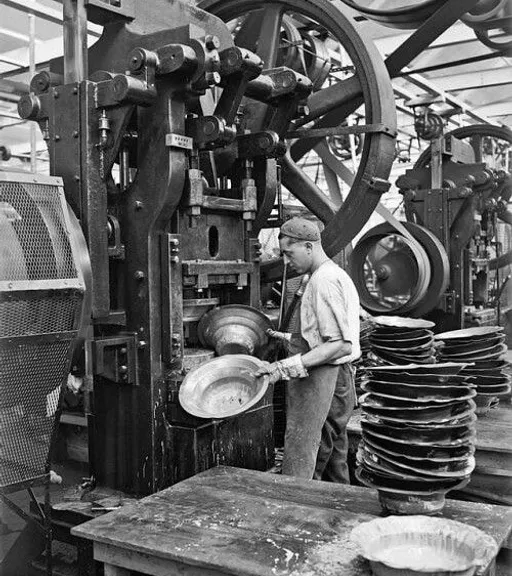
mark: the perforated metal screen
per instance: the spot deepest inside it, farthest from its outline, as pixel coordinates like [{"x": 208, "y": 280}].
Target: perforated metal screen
[{"x": 41, "y": 296}]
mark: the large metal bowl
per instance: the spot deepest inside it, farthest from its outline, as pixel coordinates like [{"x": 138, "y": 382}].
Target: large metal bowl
[
  {"x": 223, "y": 387},
  {"x": 234, "y": 329}
]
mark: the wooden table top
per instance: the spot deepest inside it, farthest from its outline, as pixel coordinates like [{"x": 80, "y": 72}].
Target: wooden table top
[{"x": 243, "y": 522}]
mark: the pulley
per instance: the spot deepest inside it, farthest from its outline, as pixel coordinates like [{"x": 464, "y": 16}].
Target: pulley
[{"x": 396, "y": 275}]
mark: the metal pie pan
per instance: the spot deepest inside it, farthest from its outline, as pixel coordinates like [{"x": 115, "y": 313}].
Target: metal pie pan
[
  {"x": 408, "y": 405},
  {"x": 403, "y": 359},
  {"x": 424, "y": 379},
  {"x": 376, "y": 480},
  {"x": 373, "y": 462},
  {"x": 418, "y": 452},
  {"x": 492, "y": 354},
  {"x": 460, "y": 470},
  {"x": 490, "y": 365},
  {"x": 501, "y": 390},
  {"x": 403, "y": 335},
  {"x": 428, "y": 463},
  {"x": 400, "y": 322},
  {"x": 418, "y": 393},
  {"x": 401, "y": 349},
  {"x": 490, "y": 377},
  {"x": 497, "y": 348},
  {"x": 441, "y": 368},
  {"x": 435, "y": 546},
  {"x": 223, "y": 387},
  {"x": 470, "y": 333},
  {"x": 427, "y": 436},
  {"x": 438, "y": 415},
  {"x": 484, "y": 344},
  {"x": 376, "y": 340}
]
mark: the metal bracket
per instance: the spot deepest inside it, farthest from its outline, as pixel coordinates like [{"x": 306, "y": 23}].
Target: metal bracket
[{"x": 116, "y": 359}]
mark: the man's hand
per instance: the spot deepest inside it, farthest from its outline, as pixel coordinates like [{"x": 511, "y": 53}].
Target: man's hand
[{"x": 283, "y": 369}]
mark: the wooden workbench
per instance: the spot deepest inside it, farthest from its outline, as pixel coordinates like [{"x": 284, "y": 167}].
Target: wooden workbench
[{"x": 243, "y": 522}]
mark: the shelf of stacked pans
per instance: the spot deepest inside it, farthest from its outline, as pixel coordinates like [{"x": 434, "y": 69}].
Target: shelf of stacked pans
[
  {"x": 397, "y": 340},
  {"x": 483, "y": 348},
  {"x": 418, "y": 434}
]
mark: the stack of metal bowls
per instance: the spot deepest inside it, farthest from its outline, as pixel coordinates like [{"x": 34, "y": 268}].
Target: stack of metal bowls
[
  {"x": 397, "y": 340},
  {"x": 483, "y": 348},
  {"x": 418, "y": 432}
]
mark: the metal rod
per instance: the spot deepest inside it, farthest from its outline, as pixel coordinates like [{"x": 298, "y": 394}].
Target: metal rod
[
  {"x": 451, "y": 63},
  {"x": 32, "y": 70},
  {"x": 75, "y": 41}
]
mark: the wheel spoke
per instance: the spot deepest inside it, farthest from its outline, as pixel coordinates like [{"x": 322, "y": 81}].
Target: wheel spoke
[
  {"x": 335, "y": 164},
  {"x": 305, "y": 190}
]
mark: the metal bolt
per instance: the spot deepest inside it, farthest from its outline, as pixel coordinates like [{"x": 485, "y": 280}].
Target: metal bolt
[
  {"x": 123, "y": 350},
  {"x": 56, "y": 137},
  {"x": 77, "y": 178},
  {"x": 123, "y": 369},
  {"x": 138, "y": 205},
  {"x": 75, "y": 134},
  {"x": 139, "y": 275},
  {"x": 141, "y": 344},
  {"x": 75, "y": 90},
  {"x": 212, "y": 42}
]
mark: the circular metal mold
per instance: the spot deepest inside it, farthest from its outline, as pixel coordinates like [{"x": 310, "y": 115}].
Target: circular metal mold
[
  {"x": 223, "y": 387},
  {"x": 234, "y": 329}
]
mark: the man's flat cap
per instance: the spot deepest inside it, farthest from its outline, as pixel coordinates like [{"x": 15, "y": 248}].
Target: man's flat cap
[{"x": 301, "y": 229}]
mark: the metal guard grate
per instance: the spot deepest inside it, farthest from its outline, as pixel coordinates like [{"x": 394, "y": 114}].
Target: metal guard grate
[
  {"x": 30, "y": 379},
  {"x": 35, "y": 243}
]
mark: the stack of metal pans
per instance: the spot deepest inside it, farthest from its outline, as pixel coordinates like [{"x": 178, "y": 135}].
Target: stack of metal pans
[
  {"x": 483, "y": 347},
  {"x": 418, "y": 430},
  {"x": 397, "y": 340},
  {"x": 367, "y": 327}
]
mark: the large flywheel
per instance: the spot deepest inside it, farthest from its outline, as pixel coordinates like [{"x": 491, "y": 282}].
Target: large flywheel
[{"x": 315, "y": 38}]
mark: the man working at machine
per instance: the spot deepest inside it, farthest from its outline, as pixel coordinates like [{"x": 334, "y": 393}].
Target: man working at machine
[{"x": 321, "y": 392}]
